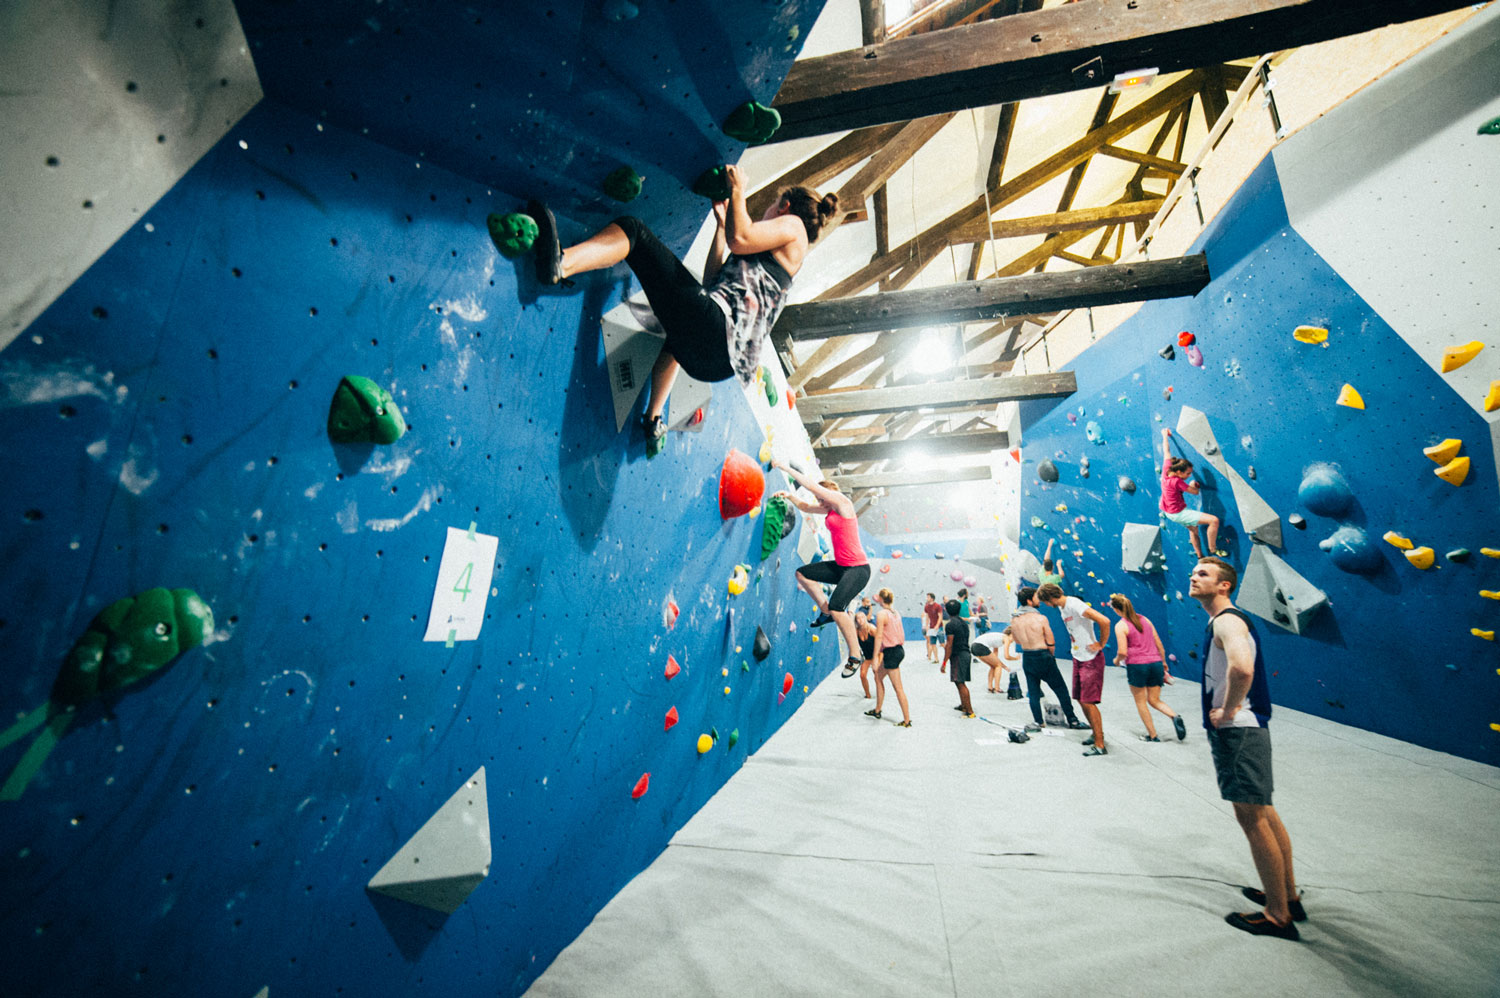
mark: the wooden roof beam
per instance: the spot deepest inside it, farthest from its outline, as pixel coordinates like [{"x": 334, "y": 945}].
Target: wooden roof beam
[
  {"x": 940, "y": 395},
  {"x": 942, "y": 445}
]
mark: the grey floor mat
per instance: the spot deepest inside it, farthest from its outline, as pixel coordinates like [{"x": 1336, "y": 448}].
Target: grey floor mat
[{"x": 853, "y": 857}]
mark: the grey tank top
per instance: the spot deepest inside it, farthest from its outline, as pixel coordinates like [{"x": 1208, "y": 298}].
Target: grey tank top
[{"x": 751, "y": 290}]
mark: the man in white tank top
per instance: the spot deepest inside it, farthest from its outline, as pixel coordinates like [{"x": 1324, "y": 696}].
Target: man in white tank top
[{"x": 1237, "y": 717}]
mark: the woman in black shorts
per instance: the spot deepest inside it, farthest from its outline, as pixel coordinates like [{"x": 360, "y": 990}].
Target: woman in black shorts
[
  {"x": 890, "y": 649},
  {"x": 714, "y": 328}
]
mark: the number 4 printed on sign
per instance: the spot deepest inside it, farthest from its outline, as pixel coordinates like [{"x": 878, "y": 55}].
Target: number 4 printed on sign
[{"x": 465, "y": 570}]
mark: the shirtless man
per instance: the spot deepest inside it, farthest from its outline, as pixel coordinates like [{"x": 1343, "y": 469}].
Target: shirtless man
[{"x": 1030, "y": 630}]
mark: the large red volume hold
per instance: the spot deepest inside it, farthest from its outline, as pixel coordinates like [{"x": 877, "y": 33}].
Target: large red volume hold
[
  {"x": 741, "y": 485},
  {"x": 786, "y": 683}
]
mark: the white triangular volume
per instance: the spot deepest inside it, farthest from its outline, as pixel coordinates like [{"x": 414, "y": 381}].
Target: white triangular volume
[
  {"x": 1273, "y": 590},
  {"x": 1140, "y": 548},
  {"x": 1259, "y": 519},
  {"x": 264, "y": 992},
  {"x": 1027, "y": 566},
  {"x": 1192, "y": 426},
  {"x": 448, "y": 857},
  {"x": 632, "y": 340},
  {"x": 688, "y": 396}
]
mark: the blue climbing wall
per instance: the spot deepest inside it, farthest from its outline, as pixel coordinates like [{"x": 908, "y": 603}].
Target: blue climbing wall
[
  {"x": 1393, "y": 652},
  {"x": 211, "y": 830}
]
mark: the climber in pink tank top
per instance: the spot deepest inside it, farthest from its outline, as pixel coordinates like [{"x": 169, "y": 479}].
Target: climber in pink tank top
[
  {"x": 848, "y": 573},
  {"x": 890, "y": 649},
  {"x": 1145, "y": 662}
]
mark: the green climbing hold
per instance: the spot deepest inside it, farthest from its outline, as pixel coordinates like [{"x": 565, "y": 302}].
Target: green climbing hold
[
  {"x": 752, "y": 122},
  {"x": 130, "y": 639},
  {"x": 744, "y": 666},
  {"x": 1491, "y": 127},
  {"x": 513, "y": 234},
  {"x": 776, "y": 523},
  {"x": 713, "y": 184},
  {"x": 623, "y": 184},
  {"x": 1458, "y": 555},
  {"x": 363, "y": 411},
  {"x": 771, "y": 395},
  {"x": 734, "y": 737}
]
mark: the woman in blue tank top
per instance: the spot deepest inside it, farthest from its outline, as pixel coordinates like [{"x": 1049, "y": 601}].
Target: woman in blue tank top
[{"x": 714, "y": 328}]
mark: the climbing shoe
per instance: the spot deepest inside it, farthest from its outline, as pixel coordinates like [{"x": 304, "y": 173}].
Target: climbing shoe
[
  {"x": 904, "y": 724},
  {"x": 1257, "y": 924},
  {"x": 1096, "y": 750},
  {"x": 872, "y": 712},
  {"x": 850, "y": 667},
  {"x": 1150, "y": 738},
  {"x": 1033, "y": 727},
  {"x": 655, "y": 429},
  {"x": 1089, "y": 740},
  {"x": 1181, "y": 728},
  {"x": 820, "y": 620},
  {"x": 1076, "y": 724},
  {"x": 547, "y": 247},
  {"x": 1299, "y": 913}
]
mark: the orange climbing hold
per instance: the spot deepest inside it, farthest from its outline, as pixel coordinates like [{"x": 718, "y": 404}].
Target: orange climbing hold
[
  {"x": 786, "y": 683},
  {"x": 672, "y": 667},
  {"x": 671, "y": 719},
  {"x": 741, "y": 485},
  {"x": 641, "y": 786}
]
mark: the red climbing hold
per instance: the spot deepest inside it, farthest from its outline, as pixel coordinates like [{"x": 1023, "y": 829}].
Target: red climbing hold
[
  {"x": 697, "y": 416},
  {"x": 671, "y": 719},
  {"x": 791, "y": 398},
  {"x": 786, "y": 684},
  {"x": 1016, "y": 454},
  {"x": 741, "y": 485},
  {"x": 641, "y": 786},
  {"x": 1186, "y": 339},
  {"x": 672, "y": 667},
  {"x": 669, "y": 613}
]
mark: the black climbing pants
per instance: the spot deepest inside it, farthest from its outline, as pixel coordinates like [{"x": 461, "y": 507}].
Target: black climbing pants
[
  {"x": 1040, "y": 667},
  {"x": 697, "y": 328}
]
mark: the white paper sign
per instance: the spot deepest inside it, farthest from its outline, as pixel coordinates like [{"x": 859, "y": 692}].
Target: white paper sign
[{"x": 463, "y": 586}]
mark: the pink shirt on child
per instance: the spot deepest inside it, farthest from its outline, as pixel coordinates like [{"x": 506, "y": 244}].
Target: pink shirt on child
[{"x": 1171, "y": 493}]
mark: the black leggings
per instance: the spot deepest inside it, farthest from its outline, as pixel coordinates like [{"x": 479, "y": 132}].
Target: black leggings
[
  {"x": 697, "y": 328},
  {"x": 848, "y": 581},
  {"x": 1040, "y": 667}
]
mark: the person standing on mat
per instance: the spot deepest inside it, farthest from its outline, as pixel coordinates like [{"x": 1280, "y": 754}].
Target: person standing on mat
[
  {"x": 1140, "y": 650},
  {"x": 714, "y": 327},
  {"x": 848, "y": 573},
  {"x": 990, "y": 656},
  {"x": 933, "y": 611},
  {"x": 864, "y": 626},
  {"x": 1039, "y": 659},
  {"x": 1088, "y": 658},
  {"x": 956, "y": 651},
  {"x": 890, "y": 649},
  {"x": 1237, "y": 717}
]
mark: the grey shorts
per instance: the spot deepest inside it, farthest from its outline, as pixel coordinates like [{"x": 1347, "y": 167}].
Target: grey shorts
[{"x": 1242, "y": 760}]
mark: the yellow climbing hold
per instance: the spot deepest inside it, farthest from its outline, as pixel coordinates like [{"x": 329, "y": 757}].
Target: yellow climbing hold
[
  {"x": 1489, "y": 594},
  {"x": 765, "y": 452},
  {"x": 726, "y": 691},
  {"x": 1492, "y": 397},
  {"x": 804, "y": 689},
  {"x": 1061, "y": 507},
  {"x": 1457, "y": 356},
  {"x": 815, "y": 639},
  {"x": 1487, "y": 635},
  {"x": 754, "y": 512},
  {"x": 705, "y": 742},
  {"x": 739, "y": 581},
  {"x": 1454, "y": 472},
  {"x": 1495, "y": 727},
  {"x": 1489, "y": 552},
  {"x": 1310, "y": 334},
  {"x": 725, "y": 670},
  {"x": 1350, "y": 398},
  {"x": 1420, "y": 557},
  {"x": 809, "y": 658},
  {"x": 1444, "y": 452},
  {"x": 1396, "y": 540}
]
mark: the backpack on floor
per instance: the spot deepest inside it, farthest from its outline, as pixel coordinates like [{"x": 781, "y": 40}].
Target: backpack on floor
[{"x": 1014, "y": 693}]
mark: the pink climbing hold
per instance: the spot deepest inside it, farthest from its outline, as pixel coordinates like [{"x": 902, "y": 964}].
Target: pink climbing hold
[
  {"x": 786, "y": 684},
  {"x": 885, "y": 568},
  {"x": 672, "y": 667},
  {"x": 781, "y": 698},
  {"x": 1194, "y": 356},
  {"x": 741, "y": 485},
  {"x": 641, "y": 786},
  {"x": 671, "y": 719}
]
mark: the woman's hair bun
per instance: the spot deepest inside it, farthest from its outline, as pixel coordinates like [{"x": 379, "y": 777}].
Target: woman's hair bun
[{"x": 828, "y": 206}]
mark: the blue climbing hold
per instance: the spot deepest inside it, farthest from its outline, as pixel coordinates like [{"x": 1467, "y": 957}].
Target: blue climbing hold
[
  {"x": 1325, "y": 491},
  {"x": 1351, "y": 549}
]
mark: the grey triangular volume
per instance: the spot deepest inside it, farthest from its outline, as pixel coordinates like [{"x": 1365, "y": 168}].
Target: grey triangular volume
[
  {"x": 630, "y": 350},
  {"x": 1140, "y": 548},
  {"x": 1261, "y": 522},
  {"x": 264, "y": 992},
  {"x": 440, "y": 866},
  {"x": 688, "y": 396},
  {"x": 1275, "y": 591},
  {"x": 1192, "y": 426}
]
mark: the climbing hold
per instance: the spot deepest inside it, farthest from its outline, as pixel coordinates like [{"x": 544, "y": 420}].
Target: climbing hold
[
  {"x": 713, "y": 184},
  {"x": 970, "y": 581},
  {"x": 669, "y": 614},
  {"x": 956, "y": 575},
  {"x": 1489, "y": 594},
  {"x": 705, "y": 742},
  {"x": 1492, "y": 397},
  {"x": 1396, "y": 540},
  {"x": 1487, "y": 635},
  {"x": 741, "y": 485},
  {"x": 896, "y": 553},
  {"x": 513, "y": 234},
  {"x": 770, "y": 386},
  {"x": 1250, "y": 472},
  {"x": 1454, "y": 472},
  {"x": 1459, "y": 354},
  {"x": 1275, "y": 591},
  {"x": 765, "y": 454},
  {"x": 1458, "y": 555},
  {"x": 1061, "y": 507},
  {"x": 623, "y": 184},
  {"x": 1310, "y": 334},
  {"x": 1444, "y": 452},
  {"x": 672, "y": 668},
  {"x": 1047, "y": 471},
  {"x": 1167, "y": 352},
  {"x": 815, "y": 639},
  {"x": 786, "y": 683},
  {"x": 1350, "y": 398},
  {"x": 752, "y": 122},
  {"x": 1194, "y": 356},
  {"x": 1491, "y": 127},
  {"x": 885, "y": 569},
  {"x": 1036, "y": 521},
  {"x": 1127, "y": 484},
  {"x": 129, "y": 640},
  {"x": 762, "y": 646},
  {"x": 363, "y": 411},
  {"x": 779, "y": 521},
  {"x": 1420, "y": 557},
  {"x": 734, "y": 737},
  {"x": 1094, "y": 432},
  {"x": 1325, "y": 491},
  {"x": 1186, "y": 339},
  {"x": 641, "y": 786},
  {"x": 726, "y": 691},
  {"x": 671, "y": 719},
  {"x": 1490, "y": 552},
  {"x": 620, "y": 10},
  {"x": 754, "y": 512},
  {"x": 1297, "y": 520},
  {"x": 740, "y": 580}
]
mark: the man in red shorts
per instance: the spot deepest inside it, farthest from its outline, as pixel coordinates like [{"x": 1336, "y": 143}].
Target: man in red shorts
[{"x": 1088, "y": 657}]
